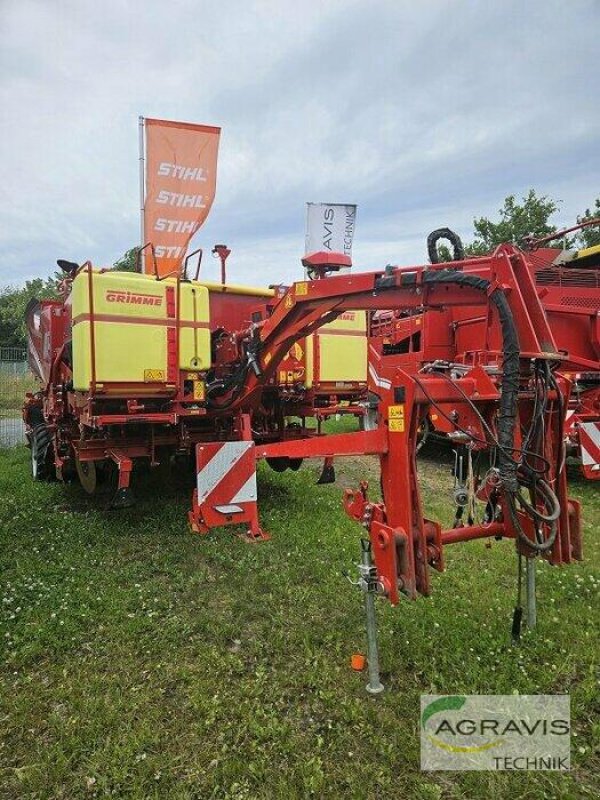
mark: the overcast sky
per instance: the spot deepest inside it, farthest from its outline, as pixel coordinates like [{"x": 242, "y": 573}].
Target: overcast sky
[{"x": 423, "y": 113}]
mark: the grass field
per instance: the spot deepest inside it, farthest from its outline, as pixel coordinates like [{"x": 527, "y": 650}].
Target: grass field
[{"x": 140, "y": 661}]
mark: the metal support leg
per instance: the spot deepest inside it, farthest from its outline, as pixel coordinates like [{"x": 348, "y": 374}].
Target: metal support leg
[
  {"x": 531, "y": 600},
  {"x": 123, "y": 497},
  {"x": 370, "y": 587},
  {"x": 328, "y": 473}
]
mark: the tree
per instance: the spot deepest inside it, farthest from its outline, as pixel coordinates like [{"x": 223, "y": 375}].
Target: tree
[
  {"x": 444, "y": 254},
  {"x": 128, "y": 261},
  {"x": 13, "y": 331},
  {"x": 588, "y": 237},
  {"x": 517, "y": 221}
]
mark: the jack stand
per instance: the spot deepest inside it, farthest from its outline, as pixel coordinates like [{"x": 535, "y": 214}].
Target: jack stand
[
  {"x": 370, "y": 586},
  {"x": 531, "y": 599}
]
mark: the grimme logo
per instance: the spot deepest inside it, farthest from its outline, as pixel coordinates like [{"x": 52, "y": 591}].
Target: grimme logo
[
  {"x": 498, "y": 732},
  {"x": 116, "y": 296}
]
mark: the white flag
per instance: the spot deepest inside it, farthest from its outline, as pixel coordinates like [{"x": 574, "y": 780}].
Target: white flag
[{"x": 330, "y": 228}]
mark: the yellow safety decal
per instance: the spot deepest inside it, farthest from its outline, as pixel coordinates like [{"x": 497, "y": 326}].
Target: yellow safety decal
[
  {"x": 192, "y": 376},
  {"x": 289, "y": 301},
  {"x": 417, "y": 321},
  {"x": 267, "y": 358},
  {"x": 396, "y": 412},
  {"x": 396, "y": 418},
  {"x": 199, "y": 390},
  {"x": 297, "y": 352},
  {"x": 152, "y": 375},
  {"x": 301, "y": 288}
]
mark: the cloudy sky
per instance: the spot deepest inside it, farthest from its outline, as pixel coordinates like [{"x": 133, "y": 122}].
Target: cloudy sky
[{"x": 423, "y": 113}]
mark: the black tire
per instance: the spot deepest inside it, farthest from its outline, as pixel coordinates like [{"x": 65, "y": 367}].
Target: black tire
[
  {"x": 42, "y": 466},
  {"x": 33, "y": 418}
]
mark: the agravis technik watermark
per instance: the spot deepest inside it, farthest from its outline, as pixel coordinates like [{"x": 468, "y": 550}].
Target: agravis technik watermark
[{"x": 495, "y": 732}]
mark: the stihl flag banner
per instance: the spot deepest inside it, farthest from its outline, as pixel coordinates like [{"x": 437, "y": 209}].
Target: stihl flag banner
[
  {"x": 181, "y": 179},
  {"x": 330, "y": 228}
]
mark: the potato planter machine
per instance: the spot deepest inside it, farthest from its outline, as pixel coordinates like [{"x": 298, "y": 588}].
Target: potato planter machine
[{"x": 137, "y": 367}]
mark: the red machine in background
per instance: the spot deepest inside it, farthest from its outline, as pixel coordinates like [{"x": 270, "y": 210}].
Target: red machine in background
[{"x": 568, "y": 285}]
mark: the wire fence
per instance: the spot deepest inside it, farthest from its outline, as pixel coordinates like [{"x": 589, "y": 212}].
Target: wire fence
[{"x": 15, "y": 380}]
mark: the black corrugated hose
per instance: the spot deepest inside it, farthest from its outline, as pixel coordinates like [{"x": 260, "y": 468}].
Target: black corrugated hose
[{"x": 507, "y": 465}]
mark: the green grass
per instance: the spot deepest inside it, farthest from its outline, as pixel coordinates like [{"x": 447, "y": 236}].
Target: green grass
[
  {"x": 140, "y": 661},
  {"x": 12, "y": 390}
]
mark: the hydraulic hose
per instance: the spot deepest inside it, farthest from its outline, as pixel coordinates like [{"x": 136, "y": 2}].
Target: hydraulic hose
[
  {"x": 449, "y": 236},
  {"x": 550, "y": 501},
  {"x": 507, "y": 466},
  {"x": 510, "y": 374}
]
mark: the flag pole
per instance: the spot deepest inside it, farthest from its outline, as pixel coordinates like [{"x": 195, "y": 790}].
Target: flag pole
[{"x": 142, "y": 192}]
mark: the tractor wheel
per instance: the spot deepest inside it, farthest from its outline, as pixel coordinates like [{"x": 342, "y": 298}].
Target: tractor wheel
[
  {"x": 42, "y": 467},
  {"x": 34, "y": 418},
  {"x": 86, "y": 472}
]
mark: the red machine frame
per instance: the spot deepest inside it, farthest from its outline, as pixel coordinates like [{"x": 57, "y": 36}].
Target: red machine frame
[
  {"x": 406, "y": 544},
  {"x": 494, "y": 403}
]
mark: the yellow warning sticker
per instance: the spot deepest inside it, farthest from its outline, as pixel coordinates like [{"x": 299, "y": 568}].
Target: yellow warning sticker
[
  {"x": 152, "y": 375},
  {"x": 396, "y": 412},
  {"x": 301, "y": 288},
  {"x": 396, "y": 425},
  {"x": 198, "y": 390},
  {"x": 396, "y": 418},
  {"x": 289, "y": 301},
  {"x": 267, "y": 358},
  {"x": 296, "y": 352}
]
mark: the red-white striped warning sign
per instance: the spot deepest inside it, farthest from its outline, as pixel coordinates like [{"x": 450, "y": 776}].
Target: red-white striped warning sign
[
  {"x": 589, "y": 442},
  {"x": 226, "y": 475},
  {"x": 225, "y": 487}
]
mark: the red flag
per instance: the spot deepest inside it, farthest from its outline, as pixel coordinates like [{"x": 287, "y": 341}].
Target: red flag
[{"x": 181, "y": 179}]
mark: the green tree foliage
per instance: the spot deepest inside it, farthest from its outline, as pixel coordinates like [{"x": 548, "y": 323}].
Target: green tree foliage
[
  {"x": 517, "y": 220},
  {"x": 588, "y": 237},
  {"x": 13, "y": 301},
  {"x": 127, "y": 262},
  {"x": 444, "y": 254}
]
